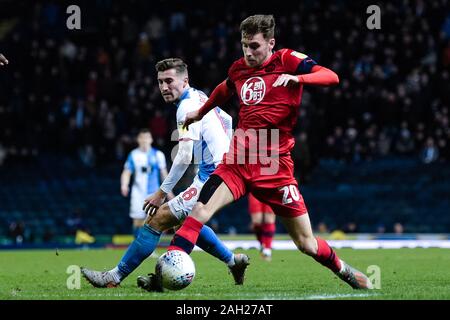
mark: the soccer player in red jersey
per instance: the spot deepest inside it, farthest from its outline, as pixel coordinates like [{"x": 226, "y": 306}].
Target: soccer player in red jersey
[
  {"x": 263, "y": 225},
  {"x": 269, "y": 87}
]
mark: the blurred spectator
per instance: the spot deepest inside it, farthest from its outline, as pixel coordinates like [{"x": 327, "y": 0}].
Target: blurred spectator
[
  {"x": 405, "y": 142},
  {"x": 398, "y": 228},
  {"x": 351, "y": 227},
  {"x": 75, "y": 222},
  {"x": 322, "y": 228},
  {"x": 384, "y": 144},
  {"x": 381, "y": 228},
  {"x": 17, "y": 232},
  {"x": 430, "y": 152},
  {"x": 103, "y": 81}
]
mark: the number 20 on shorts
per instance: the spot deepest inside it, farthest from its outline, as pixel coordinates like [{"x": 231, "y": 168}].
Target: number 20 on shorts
[{"x": 290, "y": 193}]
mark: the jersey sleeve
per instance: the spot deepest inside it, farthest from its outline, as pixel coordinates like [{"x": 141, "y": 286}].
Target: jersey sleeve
[
  {"x": 194, "y": 129},
  {"x": 161, "y": 160},
  {"x": 232, "y": 74},
  {"x": 129, "y": 164},
  {"x": 296, "y": 62}
]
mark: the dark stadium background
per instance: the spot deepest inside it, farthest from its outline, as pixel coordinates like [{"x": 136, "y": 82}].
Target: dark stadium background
[{"x": 372, "y": 155}]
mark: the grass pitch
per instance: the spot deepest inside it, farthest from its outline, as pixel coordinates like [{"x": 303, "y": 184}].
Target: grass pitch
[{"x": 405, "y": 274}]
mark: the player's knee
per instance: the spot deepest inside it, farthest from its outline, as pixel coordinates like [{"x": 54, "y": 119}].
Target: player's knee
[
  {"x": 162, "y": 220},
  {"x": 307, "y": 245},
  {"x": 200, "y": 212}
]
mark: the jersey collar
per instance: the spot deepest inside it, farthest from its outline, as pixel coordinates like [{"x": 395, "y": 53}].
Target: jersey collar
[{"x": 185, "y": 95}]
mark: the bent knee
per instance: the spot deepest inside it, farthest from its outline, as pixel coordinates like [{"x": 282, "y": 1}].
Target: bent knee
[
  {"x": 200, "y": 212},
  {"x": 163, "y": 219},
  {"x": 307, "y": 245}
]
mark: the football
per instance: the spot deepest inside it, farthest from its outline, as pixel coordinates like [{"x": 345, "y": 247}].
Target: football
[{"x": 175, "y": 269}]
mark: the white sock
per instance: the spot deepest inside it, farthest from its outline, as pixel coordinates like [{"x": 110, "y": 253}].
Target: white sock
[
  {"x": 116, "y": 274},
  {"x": 231, "y": 263},
  {"x": 342, "y": 266}
]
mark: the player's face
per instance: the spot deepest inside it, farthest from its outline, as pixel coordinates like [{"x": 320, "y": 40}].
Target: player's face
[
  {"x": 171, "y": 84},
  {"x": 256, "y": 49},
  {"x": 144, "y": 140}
]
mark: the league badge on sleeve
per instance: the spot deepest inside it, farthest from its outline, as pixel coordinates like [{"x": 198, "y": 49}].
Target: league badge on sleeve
[{"x": 299, "y": 55}]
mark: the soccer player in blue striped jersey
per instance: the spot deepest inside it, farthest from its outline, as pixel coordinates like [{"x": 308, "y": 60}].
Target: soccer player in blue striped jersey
[
  {"x": 206, "y": 141},
  {"x": 147, "y": 166}
]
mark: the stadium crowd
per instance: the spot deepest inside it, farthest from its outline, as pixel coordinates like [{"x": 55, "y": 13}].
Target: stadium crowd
[{"x": 87, "y": 92}]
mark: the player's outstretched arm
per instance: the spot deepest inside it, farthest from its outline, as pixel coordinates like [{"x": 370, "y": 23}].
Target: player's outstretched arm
[
  {"x": 179, "y": 166},
  {"x": 319, "y": 76},
  {"x": 221, "y": 94},
  {"x": 3, "y": 60}
]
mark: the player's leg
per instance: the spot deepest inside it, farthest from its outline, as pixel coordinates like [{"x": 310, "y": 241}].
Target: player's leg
[
  {"x": 168, "y": 216},
  {"x": 141, "y": 248},
  {"x": 219, "y": 196},
  {"x": 267, "y": 233},
  {"x": 256, "y": 216},
  {"x": 256, "y": 221},
  {"x": 137, "y": 215},
  {"x": 137, "y": 225},
  {"x": 214, "y": 195},
  {"x": 263, "y": 225},
  {"x": 299, "y": 228},
  {"x": 287, "y": 202},
  {"x": 207, "y": 240}
]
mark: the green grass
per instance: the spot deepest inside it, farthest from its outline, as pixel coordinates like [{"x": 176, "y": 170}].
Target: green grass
[{"x": 405, "y": 274}]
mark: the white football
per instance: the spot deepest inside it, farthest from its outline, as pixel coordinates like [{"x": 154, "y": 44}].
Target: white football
[{"x": 175, "y": 269}]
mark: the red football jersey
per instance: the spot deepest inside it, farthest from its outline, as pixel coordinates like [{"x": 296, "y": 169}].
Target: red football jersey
[{"x": 263, "y": 106}]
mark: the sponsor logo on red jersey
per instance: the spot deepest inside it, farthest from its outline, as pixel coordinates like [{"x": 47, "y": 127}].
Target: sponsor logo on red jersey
[{"x": 253, "y": 91}]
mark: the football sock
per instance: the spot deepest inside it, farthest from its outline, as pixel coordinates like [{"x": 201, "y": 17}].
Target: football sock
[
  {"x": 326, "y": 256},
  {"x": 136, "y": 231},
  {"x": 139, "y": 250},
  {"x": 209, "y": 242},
  {"x": 258, "y": 232},
  {"x": 186, "y": 237},
  {"x": 267, "y": 234},
  {"x": 117, "y": 275}
]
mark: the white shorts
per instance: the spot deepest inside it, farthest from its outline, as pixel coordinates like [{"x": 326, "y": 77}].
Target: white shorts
[
  {"x": 136, "y": 204},
  {"x": 182, "y": 204}
]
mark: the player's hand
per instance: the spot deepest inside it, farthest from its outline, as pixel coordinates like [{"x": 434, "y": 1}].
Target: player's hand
[
  {"x": 170, "y": 196},
  {"x": 286, "y": 80},
  {"x": 124, "y": 190},
  {"x": 3, "y": 60},
  {"x": 153, "y": 202},
  {"x": 191, "y": 117}
]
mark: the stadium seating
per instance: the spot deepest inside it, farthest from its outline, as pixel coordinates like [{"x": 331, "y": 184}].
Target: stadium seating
[{"x": 382, "y": 192}]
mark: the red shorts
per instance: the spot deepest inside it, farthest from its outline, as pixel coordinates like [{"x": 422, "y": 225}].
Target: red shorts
[
  {"x": 279, "y": 189},
  {"x": 255, "y": 206}
]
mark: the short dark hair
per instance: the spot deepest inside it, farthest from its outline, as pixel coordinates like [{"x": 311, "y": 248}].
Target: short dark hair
[
  {"x": 143, "y": 131},
  {"x": 259, "y": 23},
  {"x": 172, "y": 63}
]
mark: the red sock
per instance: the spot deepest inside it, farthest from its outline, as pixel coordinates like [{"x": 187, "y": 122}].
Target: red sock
[
  {"x": 326, "y": 256},
  {"x": 258, "y": 231},
  {"x": 186, "y": 237},
  {"x": 268, "y": 232}
]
